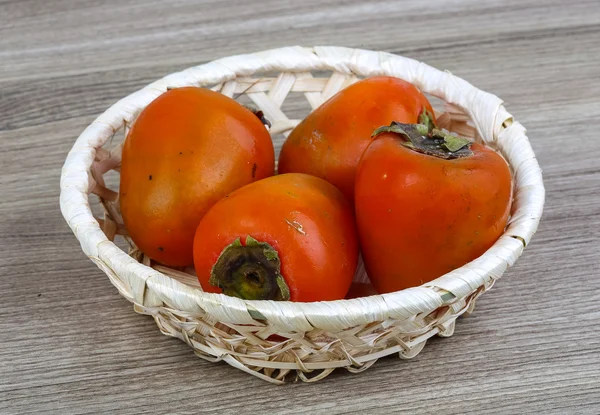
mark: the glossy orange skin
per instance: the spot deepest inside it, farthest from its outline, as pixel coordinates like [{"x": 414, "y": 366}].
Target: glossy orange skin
[
  {"x": 329, "y": 142},
  {"x": 420, "y": 217},
  {"x": 186, "y": 150},
  {"x": 318, "y": 259}
]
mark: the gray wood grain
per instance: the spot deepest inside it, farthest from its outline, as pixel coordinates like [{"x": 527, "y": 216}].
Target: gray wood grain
[{"x": 70, "y": 344}]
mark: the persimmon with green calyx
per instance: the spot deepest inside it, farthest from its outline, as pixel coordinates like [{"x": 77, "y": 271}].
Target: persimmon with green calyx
[
  {"x": 286, "y": 237},
  {"x": 187, "y": 149},
  {"x": 328, "y": 143},
  {"x": 427, "y": 202}
]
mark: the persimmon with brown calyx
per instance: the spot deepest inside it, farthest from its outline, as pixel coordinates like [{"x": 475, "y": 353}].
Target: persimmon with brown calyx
[
  {"x": 427, "y": 202},
  {"x": 286, "y": 237}
]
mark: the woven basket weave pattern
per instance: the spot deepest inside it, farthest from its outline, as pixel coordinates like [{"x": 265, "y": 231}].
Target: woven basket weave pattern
[{"x": 312, "y": 339}]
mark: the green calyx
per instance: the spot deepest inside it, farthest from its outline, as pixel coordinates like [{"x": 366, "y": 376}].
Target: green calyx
[
  {"x": 426, "y": 118},
  {"x": 426, "y": 138},
  {"x": 250, "y": 271}
]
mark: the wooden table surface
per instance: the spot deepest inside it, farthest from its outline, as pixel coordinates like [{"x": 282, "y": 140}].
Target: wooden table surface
[{"x": 70, "y": 344}]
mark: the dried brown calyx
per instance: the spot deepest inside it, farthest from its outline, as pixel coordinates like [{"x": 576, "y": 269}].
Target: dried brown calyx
[{"x": 250, "y": 271}]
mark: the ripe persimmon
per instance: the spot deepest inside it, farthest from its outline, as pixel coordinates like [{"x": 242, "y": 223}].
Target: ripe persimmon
[
  {"x": 187, "y": 149},
  {"x": 328, "y": 143},
  {"x": 427, "y": 202},
  {"x": 286, "y": 237}
]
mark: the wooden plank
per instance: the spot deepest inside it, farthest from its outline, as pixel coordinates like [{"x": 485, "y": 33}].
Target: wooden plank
[{"x": 70, "y": 344}]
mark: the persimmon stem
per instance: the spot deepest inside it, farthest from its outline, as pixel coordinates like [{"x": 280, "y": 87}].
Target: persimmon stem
[
  {"x": 259, "y": 114},
  {"x": 426, "y": 118}
]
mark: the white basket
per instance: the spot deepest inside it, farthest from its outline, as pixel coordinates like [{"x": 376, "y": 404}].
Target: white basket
[{"x": 312, "y": 338}]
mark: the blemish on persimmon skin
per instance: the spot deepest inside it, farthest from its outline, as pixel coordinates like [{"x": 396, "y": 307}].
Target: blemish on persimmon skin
[
  {"x": 254, "y": 166},
  {"x": 150, "y": 177},
  {"x": 296, "y": 225}
]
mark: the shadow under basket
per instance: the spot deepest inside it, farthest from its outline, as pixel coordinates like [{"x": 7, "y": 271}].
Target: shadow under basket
[{"x": 280, "y": 341}]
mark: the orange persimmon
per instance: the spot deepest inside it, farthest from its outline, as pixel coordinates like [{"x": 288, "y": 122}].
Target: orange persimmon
[
  {"x": 427, "y": 202},
  {"x": 187, "y": 149},
  {"x": 328, "y": 143},
  {"x": 287, "y": 237}
]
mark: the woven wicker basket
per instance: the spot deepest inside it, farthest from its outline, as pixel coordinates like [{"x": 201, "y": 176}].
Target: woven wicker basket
[{"x": 313, "y": 338}]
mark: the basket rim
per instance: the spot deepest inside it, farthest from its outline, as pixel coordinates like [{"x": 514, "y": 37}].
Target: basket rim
[{"x": 486, "y": 110}]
